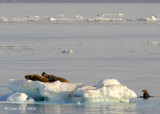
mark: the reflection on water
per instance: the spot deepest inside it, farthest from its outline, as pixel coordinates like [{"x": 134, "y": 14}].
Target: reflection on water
[
  {"x": 138, "y": 105},
  {"x": 117, "y": 108}
]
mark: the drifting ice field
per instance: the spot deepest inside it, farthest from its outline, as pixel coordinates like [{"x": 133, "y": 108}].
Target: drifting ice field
[{"x": 127, "y": 54}]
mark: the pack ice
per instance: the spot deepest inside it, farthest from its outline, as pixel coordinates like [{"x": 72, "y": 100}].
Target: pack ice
[{"x": 108, "y": 90}]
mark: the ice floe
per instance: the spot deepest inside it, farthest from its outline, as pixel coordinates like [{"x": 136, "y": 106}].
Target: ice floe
[
  {"x": 79, "y": 19},
  {"x": 108, "y": 90},
  {"x": 69, "y": 51},
  {"x": 50, "y": 19},
  {"x": 153, "y": 43},
  {"x": 17, "y": 97}
]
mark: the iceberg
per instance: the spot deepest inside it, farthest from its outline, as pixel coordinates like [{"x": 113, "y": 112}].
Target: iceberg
[{"x": 108, "y": 90}]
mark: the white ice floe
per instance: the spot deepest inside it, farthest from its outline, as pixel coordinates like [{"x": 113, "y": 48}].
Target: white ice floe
[
  {"x": 155, "y": 18},
  {"x": 69, "y": 51},
  {"x": 153, "y": 43},
  {"x": 7, "y": 47},
  {"x": 20, "y": 97},
  {"x": 109, "y": 90},
  {"x": 17, "y": 97},
  {"x": 50, "y": 19},
  {"x": 110, "y": 15},
  {"x": 142, "y": 19},
  {"x": 4, "y": 19},
  {"x": 79, "y": 19},
  {"x": 108, "y": 19},
  {"x": 30, "y": 18}
]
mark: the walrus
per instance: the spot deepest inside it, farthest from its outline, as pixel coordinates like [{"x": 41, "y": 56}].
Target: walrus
[
  {"x": 45, "y": 74},
  {"x": 53, "y": 77},
  {"x": 145, "y": 94},
  {"x": 36, "y": 77}
]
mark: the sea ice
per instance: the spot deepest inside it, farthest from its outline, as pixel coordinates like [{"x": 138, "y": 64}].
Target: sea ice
[
  {"x": 69, "y": 51},
  {"x": 50, "y": 19},
  {"x": 109, "y": 90},
  {"x": 78, "y": 19},
  {"x": 153, "y": 43},
  {"x": 17, "y": 97}
]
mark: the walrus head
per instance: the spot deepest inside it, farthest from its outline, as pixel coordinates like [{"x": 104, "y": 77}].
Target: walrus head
[
  {"x": 26, "y": 76},
  {"x": 44, "y": 73},
  {"x": 145, "y": 94}
]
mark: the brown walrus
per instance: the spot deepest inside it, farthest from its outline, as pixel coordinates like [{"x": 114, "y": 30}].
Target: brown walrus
[
  {"x": 45, "y": 74},
  {"x": 36, "y": 77},
  {"x": 145, "y": 94},
  {"x": 53, "y": 77}
]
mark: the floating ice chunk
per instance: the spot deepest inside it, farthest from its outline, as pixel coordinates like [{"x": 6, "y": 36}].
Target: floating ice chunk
[
  {"x": 4, "y": 19},
  {"x": 153, "y": 43},
  {"x": 17, "y": 97},
  {"x": 154, "y": 18},
  {"x": 7, "y": 47},
  {"x": 50, "y": 19},
  {"x": 69, "y": 51},
  {"x": 89, "y": 20},
  {"x": 30, "y": 18},
  {"x": 110, "y": 15},
  {"x": 31, "y": 88},
  {"x": 142, "y": 19},
  {"x": 108, "y": 19},
  {"x": 36, "y": 17},
  {"x": 114, "y": 93},
  {"x": 38, "y": 90},
  {"x": 58, "y": 91},
  {"x": 109, "y": 90},
  {"x": 30, "y": 100},
  {"x": 78, "y": 17},
  {"x": 120, "y": 14}
]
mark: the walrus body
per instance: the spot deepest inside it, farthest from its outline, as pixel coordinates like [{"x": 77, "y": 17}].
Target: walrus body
[
  {"x": 145, "y": 94},
  {"x": 35, "y": 77},
  {"x": 53, "y": 77},
  {"x": 45, "y": 78},
  {"x": 61, "y": 79}
]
